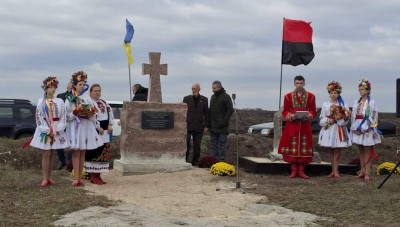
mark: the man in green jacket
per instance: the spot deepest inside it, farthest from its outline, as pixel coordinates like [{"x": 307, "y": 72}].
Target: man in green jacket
[{"x": 221, "y": 110}]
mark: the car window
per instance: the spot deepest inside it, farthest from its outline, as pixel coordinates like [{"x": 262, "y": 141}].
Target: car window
[
  {"x": 6, "y": 113},
  {"x": 25, "y": 113},
  {"x": 116, "y": 110}
]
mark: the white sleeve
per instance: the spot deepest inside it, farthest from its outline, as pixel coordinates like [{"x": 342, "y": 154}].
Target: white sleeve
[
  {"x": 62, "y": 122},
  {"x": 343, "y": 121},
  {"x": 353, "y": 116},
  {"x": 40, "y": 121},
  {"x": 68, "y": 108},
  {"x": 323, "y": 119},
  {"x": 93, "y": 119},
  {"x": 110, "y": 114},
  {"x": 373, "y": 114}
]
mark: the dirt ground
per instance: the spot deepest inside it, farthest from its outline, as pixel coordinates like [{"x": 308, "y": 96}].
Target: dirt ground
[{"x": 187, "y": 198}]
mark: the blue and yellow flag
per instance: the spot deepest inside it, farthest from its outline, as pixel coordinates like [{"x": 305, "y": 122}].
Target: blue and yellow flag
[{"x": 127, "y": 42}]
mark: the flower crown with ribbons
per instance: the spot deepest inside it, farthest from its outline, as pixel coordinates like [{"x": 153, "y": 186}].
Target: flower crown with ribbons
[
  {"x": 365, "y": 84},
  {"x": 49, "y": 81},
  {"x": 79, "y": 76},
  {"x": 334, "y": 86}
]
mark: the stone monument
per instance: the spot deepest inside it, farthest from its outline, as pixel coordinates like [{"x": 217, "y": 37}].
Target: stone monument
[{"x": 153, "y": 135}]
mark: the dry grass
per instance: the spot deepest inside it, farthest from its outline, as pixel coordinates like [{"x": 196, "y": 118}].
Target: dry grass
[
  {"x": 24, "y": 203},
  {"x": 349, "y": 201}
]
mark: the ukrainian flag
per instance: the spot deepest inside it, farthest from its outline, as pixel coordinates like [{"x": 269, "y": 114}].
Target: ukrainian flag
[{"x": 127, "y": 42}]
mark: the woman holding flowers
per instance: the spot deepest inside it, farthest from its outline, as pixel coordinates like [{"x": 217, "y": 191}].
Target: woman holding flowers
[
  {"x": 82, "y": 124},
  {"x": 51, "y": 122},
  {"x": 98, "y": 160},
  {"x": 334, "y": 117},
  {"x": 363, "y": 130}
]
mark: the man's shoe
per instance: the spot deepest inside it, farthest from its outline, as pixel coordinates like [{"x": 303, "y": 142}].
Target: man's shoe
[{"x": 61, "y": 165}]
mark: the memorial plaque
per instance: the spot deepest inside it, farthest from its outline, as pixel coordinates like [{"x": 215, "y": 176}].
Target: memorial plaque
[{"x": 157, "y": 120}]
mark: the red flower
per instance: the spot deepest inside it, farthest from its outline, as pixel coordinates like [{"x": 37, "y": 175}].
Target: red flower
[
  {"x": 108, "y": 157},
  {"x": 369, "y": 84}
]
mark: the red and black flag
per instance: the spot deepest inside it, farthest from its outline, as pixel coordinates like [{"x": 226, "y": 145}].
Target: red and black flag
[{"x": 297, "y": 47}]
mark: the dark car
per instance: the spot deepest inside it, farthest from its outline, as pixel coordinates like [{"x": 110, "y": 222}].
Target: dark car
[
  {"x": 17, "y": 118},
  {"x": 267, "y": 129}
]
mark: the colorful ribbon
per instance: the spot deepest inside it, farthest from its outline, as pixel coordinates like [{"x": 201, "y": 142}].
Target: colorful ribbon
[
  {"x": 366, "y": 115},
  {"x": 49, "y": 120}
]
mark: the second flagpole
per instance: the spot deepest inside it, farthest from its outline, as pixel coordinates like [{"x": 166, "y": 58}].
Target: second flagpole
[
  {"x": 280, "y": 86},
  {"x": 130, "y": 84}
]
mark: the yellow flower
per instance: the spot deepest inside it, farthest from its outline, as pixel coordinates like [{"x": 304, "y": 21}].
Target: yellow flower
[
  {"x": 386, "y": 168},
  {"x": 222, "y": 169}
]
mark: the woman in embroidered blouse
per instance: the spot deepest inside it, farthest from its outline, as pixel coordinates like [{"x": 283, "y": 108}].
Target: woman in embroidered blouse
[
  {"x": 81, "y": 127},
  {"x": 334, "y": 117},
  {"x": 98, "y": 161},
  {"x": 51, "y": 122},
  {"x": 363, "y": 130}
]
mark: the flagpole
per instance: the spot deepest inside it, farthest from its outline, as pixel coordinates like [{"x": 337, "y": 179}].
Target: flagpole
[
  {"x": 280, "y": 86},
  {"x": 130, "y": 84},
  {"x": 280, "y": 90}
]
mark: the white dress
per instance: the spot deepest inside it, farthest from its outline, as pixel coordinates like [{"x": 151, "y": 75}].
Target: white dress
[
  {"x": 98, "y": 160},
  {"x": 330, "y": 137},
  {"x": 59, "y": 113},
  {"x": 370, "y": 135},
  {"x": 83, "y": 135}
]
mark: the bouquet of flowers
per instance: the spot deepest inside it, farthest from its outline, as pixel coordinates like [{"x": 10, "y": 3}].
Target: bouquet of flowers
[
  {"x": 338, "y": 113},
  {"x": 84, "y": 110}
]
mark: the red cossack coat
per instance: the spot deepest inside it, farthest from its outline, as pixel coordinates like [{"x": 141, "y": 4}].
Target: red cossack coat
[{"x": 296, "y": 144}]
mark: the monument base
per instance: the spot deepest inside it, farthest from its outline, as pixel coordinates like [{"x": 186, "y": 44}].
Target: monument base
[
  {"x": 266, "y": 166},
  {"x": 147, "y": 165}
]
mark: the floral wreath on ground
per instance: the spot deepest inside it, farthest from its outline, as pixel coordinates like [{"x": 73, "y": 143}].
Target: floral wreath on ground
[
  {"x": 79, "y": 76},
  {"x": 49, "y": 81},
  {"x": 84, "y": 175},
  {"x": 222, "y": 169},
  {"x": 207, "y": 162},
  {"x": 365, "y": 84},
  {"x": 334, "y": 86},
  {"x": 386, "y": 168}
]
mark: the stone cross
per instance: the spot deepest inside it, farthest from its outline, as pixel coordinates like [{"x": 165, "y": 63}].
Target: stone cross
[{"x": 155, "y": 70}]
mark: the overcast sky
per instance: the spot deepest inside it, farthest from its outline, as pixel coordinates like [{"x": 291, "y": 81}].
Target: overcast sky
[{"x": 236, "y": 42}]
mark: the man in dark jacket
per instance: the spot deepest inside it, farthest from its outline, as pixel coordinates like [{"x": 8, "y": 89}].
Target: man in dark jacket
[
  {"x": 139, "y": 92},
  {"x": 197, "y": 119},
  {"x": 62, "y": 95},
  {"x": 140, "y": 95},
  {"x": 60, "y": 152},
  {"x": 221, "y": 110}
]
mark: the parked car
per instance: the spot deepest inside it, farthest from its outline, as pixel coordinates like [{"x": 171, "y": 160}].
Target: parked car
[
  {"x": 267, "y": 129},
  {"x": 116, "y": 107},
  {"x": 17, "y": 118}
]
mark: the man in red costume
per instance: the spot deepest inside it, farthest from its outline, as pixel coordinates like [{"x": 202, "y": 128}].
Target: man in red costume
[{"x": 296, "y": 144}]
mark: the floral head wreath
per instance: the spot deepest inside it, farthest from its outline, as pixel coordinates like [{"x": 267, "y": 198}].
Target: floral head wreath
[
  {"x": 334, "y": 86},
  {"x": 79, "y": 76},
  {"x": 49, "y": 81},
  {"x": 365, "y": 84}
]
